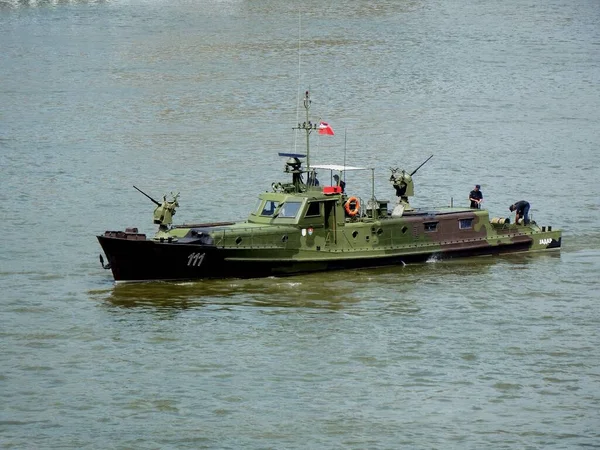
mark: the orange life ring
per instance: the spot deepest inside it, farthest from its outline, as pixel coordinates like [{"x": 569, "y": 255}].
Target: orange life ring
[{"x": 348, "y": 206}]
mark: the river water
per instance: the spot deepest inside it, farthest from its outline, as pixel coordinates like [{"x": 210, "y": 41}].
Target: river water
[{"x": 198, "y": 97}]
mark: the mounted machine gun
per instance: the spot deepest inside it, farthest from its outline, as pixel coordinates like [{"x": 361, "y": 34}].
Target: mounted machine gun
[
  {"x": 164, "y": 212},
  {"x": 403, "y": 184}
]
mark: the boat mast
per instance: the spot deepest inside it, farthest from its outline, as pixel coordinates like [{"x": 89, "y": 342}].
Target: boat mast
[
  {"x": 307, "y": 107},
  {"x": 307, "y": 126}
]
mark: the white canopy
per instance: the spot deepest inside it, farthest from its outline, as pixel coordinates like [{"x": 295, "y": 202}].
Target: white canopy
[{"x": 336, "y": 167}]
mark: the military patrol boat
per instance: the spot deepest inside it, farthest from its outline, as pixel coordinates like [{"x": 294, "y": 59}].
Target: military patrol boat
[{"x": 300, "y": 226}]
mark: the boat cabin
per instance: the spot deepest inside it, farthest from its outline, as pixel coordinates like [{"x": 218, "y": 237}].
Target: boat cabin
[{"x": 312, "y": 208}]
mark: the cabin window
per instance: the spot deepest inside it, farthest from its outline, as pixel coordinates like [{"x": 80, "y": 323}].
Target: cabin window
[
  {"x": 269, "y": 208},
  {"x": 465, "y": 224},
  {"x": 314, "y": 209},
  {"x": 430, "y": 226},
  {"x": 257, "y": 206},
  {"x": 289, "y": 209}
]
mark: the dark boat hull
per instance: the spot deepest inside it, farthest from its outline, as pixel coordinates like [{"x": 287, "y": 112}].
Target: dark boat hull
[{"x": 150, "y": 260}]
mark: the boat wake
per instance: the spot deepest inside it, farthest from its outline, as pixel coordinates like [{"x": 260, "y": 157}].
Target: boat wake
[{"x": 434, "y": 259}]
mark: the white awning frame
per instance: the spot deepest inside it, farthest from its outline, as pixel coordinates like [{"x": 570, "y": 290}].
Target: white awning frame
[{"x": 337, "y": 167}]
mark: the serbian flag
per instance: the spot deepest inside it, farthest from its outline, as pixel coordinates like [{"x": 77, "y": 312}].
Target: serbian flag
[{"x": 325, "y": 128}]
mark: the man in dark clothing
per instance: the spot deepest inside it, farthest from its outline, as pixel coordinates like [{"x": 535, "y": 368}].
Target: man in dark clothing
[
  {"x": 340, "y": 183},
  {"x": 476, "y": 197},
  {"x": 312, "y": 179},
  {"x": 522, "y": 211}
]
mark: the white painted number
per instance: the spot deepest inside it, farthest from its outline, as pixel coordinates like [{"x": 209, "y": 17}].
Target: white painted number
[
  {"x": 195, "y": 259},
  {"x": 545, "y": 241}
]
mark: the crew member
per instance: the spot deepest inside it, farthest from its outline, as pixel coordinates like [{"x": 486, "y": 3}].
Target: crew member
[
  {"x": 522, "y": 211},
  {"x": 476, "y": 197},
  {"x": 340, "y": 183}
]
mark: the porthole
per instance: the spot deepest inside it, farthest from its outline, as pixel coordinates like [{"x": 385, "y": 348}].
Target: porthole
[
  {"x": 354, "y": 234},
  {"x": 430, "y": 226},
  {"x": 284, "y": 238},
  {"x": 238, "y": 240},
  {"x": 404, "y": 229},
  {"x": 465, "y": 224}
]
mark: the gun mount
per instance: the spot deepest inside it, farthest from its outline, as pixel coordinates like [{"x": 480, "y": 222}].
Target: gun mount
[
  {"x": 293, "y": 165},
  {"x": 403, "y": 183},
  {"x": 164, "y": 212}
]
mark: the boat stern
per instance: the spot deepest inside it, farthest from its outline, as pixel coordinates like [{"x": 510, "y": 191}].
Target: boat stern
[{"x": 547, "y": 239}]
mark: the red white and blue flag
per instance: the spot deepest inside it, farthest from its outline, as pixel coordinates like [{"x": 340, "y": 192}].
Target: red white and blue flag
[{"x": 325, "y": 128}]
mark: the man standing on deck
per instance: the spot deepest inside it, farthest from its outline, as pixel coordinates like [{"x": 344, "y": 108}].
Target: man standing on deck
[
  {"x": 522, "y": 211},
  {"x": 476, "y": 197},
  {"x": 339, "y": 183}
]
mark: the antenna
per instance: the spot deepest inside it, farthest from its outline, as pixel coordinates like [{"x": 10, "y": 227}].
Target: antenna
[
  {"x": 298, "y": 88},
  {"x": 345, "y": 147}
]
